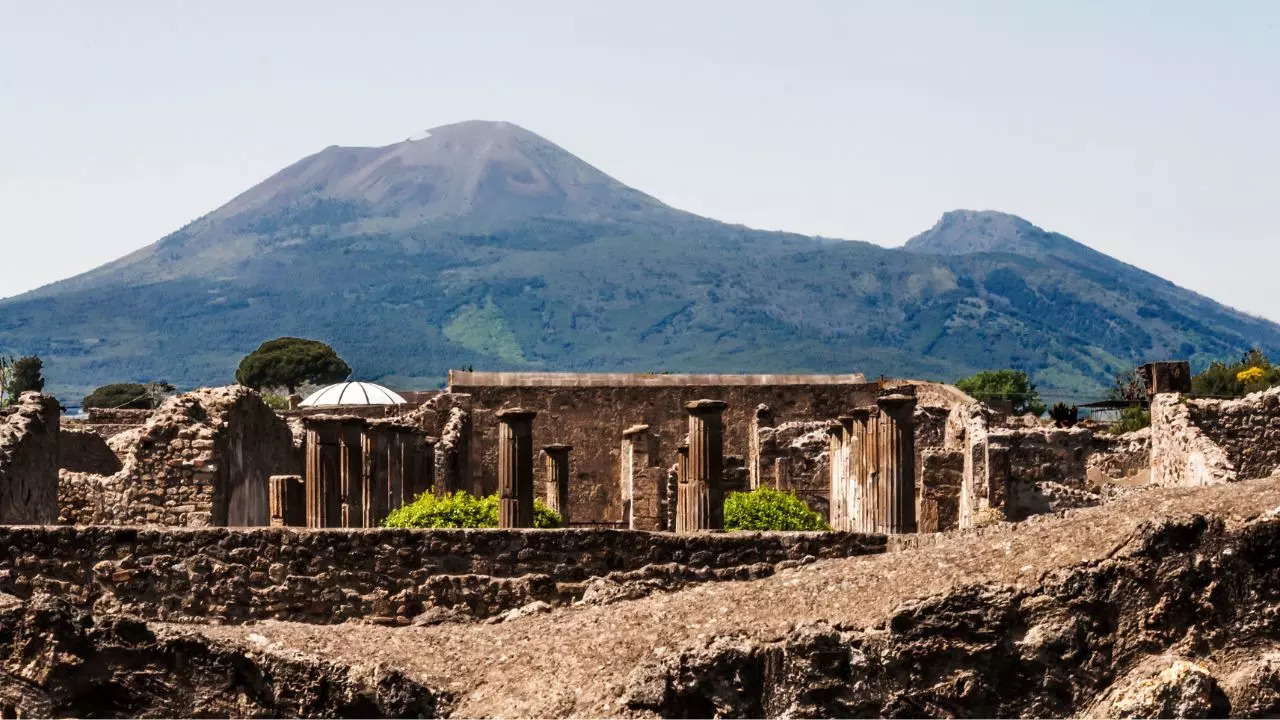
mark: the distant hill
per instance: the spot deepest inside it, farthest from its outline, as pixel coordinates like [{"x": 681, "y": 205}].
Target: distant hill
[{"x": 484, "y": 244}]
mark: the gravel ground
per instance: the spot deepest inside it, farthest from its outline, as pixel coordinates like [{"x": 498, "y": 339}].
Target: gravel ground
[{"x": 575, "y": 661}]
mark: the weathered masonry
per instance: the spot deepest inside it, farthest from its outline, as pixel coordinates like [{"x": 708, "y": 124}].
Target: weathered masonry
[{"x": 591, "y": 411}]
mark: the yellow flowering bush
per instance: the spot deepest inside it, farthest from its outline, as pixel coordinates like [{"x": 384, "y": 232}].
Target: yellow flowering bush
[{"x": 1251, "y": 375}]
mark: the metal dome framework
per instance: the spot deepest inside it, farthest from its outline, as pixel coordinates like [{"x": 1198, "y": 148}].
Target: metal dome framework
[{"x": 352, "y": 393}]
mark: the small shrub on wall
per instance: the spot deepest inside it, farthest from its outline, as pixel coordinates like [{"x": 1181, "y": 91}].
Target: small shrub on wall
[
  {"x": 462, "y": 510},
  {"x": 768, "y": 509}
]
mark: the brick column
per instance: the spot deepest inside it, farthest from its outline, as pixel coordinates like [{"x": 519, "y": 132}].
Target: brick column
[
  {"x": 515, "y": 468},
  {"x": 897, "y": 463},
  {"x": 558, "y": 479},
  {"x": 376, "y": 491},
  {"x": 286, "y": 498},
  {"x": 704, "y": 493}
]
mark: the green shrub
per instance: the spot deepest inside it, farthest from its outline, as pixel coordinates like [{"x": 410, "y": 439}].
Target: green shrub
[
  {"x": 1012, "y": 385},
  {"x": 1131, "y": 418},
  {"x": 768, "y": 509},
  {"x": 462, "y": 510},
  {"x": 127, "y": 396},
  {"x": 275, "y": 401}
]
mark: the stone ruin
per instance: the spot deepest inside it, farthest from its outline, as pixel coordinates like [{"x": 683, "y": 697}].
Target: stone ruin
[
  {"x": 29, "y": 461},
  {"x": 918, "y": 480}
]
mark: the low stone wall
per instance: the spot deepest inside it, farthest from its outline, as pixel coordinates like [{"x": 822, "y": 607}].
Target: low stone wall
[
  {"x": 29, "y": 460},
  {"x": 389, "y": 576},
  {"x": 1205, "y": 442}
]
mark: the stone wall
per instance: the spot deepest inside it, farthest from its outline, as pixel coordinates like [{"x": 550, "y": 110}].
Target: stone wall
[
  {"x": 794, "y": 456},
  {"x": 327, "y": 576},
  {"x": 941, "y": 477},
  {"x": 201, "y": 458},
  {"x": 592, "y": 418},
  {"x": 84, "y": 450},
  {"x": 29, "y": 460},
  {"x": 1205, "y": 441},
  {"x": 1120, "y": 457},
  {"x": 109, "y": 422}
]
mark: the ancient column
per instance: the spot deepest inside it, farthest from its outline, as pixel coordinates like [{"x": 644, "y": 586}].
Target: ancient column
[
  {"x": 705, "y": 507},
  {"x": 897, "y": 463},
  {"x": 839, "y": 467},
  {"x": 677, "y": 494},
  {"x": 426, "y": 467},
  {"x": 763, "y": 418},
  {"x": 323, "y": 474},
  {"x": 515, "y": 468},
  {"x": 352, "y": 490},
  {"x": 376, "y": 491},
  {"x": 865, "y": 468},
  {"x": 633, "y": 441},
  {"x": 286, "y": 498},
  {"x": 558, "y": 479}
]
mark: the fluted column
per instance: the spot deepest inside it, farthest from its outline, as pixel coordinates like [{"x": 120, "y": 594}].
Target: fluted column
[
  {"x": 897, "y": 463},
  {"x": 558, "y": 479},
  {"x": 839, "y": 513},
  {"x": 515, "y": 468},
  {"x": 352, "y": 474},
  {"x": 861, "y": 471},
  {"x": 286, "y": 500},
  {"x": 681, "y": 495},
  {"x": 323, "y": 475},
  {"x": 705, "y": 507}
]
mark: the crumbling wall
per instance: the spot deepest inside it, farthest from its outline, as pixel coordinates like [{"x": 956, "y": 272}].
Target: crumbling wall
[
  {"x": 1205, "y": 441},
  {"x": 109, "y": 422},
  {"x": 941, "y": 479},
  {"x": 382, "y": 575},
  {"x": 1119, "y": 457},
  {"x": 84, "y": 450},
  {"x": 794, "y": 456},
  {"x": 202, "y": 458},
  {"x": 29, "y": 461}
]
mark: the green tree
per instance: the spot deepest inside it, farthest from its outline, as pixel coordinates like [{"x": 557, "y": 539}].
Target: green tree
[
  {"x": 1128, "y": 386},
  {"x": 767, "y": 509},
  {"x": 23, "y": 375},
  {"x": 1011, "y": 385},
  {"x": 121, "y": 396},
  {"x": 288, "y": 362}
]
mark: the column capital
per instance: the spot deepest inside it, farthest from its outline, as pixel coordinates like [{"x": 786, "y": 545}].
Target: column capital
[
  {"x": 635, "y": 430},
  {"x": 706, "y": 406},
  {"x": 515, "y": 414}
]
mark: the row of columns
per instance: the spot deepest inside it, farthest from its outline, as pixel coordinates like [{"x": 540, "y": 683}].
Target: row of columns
[
  {"x": 872, "y": 458},
  {"x": 355, "y": 473}
]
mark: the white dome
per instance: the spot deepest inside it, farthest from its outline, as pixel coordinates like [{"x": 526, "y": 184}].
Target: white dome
[{"x": 352, "y": 393}]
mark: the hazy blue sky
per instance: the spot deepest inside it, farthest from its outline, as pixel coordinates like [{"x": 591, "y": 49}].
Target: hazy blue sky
[{"x": 1147, "y": 130}]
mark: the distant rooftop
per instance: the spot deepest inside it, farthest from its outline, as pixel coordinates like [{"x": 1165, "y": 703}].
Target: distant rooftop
[{"x": 462, "y": 378}]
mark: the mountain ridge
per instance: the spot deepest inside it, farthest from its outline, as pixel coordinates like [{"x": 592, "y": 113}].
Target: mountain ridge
[{"x": 485, "y": 244}]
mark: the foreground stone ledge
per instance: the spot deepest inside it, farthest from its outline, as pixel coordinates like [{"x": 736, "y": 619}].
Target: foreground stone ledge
[{"x": 387, "y": 576}]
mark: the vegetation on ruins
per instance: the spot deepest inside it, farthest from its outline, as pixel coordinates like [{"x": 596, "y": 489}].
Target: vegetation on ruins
[
  {"x": 1132, "y": 418},
  {"x": 767, "y": 509},
  {"x": 19, "y": 375},
  {"x": 290, "y": 362},
  {"x": 462, "y": 510},
  {"x": 1011, "y": 385},
  {"x": 128, "y": 396},
  {"x": 1252, "y": 373}
]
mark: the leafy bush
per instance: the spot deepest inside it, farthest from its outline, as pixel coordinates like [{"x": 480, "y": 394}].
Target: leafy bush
[
  {"x": 462, "y": 510},
  {"x": 1131, "y": 418},
  {"x": 768, "y": 509},
  {"x": 21, "y": 375},
  {"x": 1252, "y": 373},
  {"x": 275, "y": 401},
  {"x": 1064, "y": 415},
  {"x": 1011, "y": 385}
]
